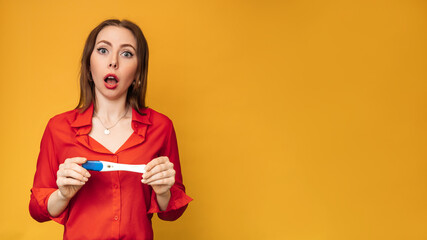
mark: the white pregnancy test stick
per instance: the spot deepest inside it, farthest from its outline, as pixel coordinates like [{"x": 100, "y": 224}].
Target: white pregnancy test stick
[{"x": 103, "y": 166}]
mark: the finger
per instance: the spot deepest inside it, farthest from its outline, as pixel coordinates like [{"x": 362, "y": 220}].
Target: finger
[
  {"x": 78, "y": 168},
  {"x": 155, "y": 162},
  {"x": 78, "y": 160},
  {"x": 158, "y": 168},
  {"x": 71, "y": 173},
  {"x": 155, "y": 170},
  {"x": 63, "y": 181},
  {"x": 164, "y": 174},
  {"x": 164, "y": 181}
]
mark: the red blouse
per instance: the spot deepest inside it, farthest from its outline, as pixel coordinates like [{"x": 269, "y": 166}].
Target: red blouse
[{"x": 111, "y": 205}]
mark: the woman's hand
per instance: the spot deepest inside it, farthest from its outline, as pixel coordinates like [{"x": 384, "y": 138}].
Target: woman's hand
[
  {"x": 160, "y": 175},
  {"x": 71, "y": 176}
]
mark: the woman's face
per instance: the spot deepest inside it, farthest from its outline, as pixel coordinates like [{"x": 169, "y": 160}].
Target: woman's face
[{"x": 113, "y": 62}]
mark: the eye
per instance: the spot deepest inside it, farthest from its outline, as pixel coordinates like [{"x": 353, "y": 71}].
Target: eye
[
  {"x": 127, "y": 54},
  {"x": 102, "y": 50}
]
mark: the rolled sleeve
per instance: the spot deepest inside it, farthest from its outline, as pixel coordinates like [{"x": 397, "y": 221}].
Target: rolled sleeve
[
  {"x": 176, "y": 207},
  {"x": 45, "y": 181},
  {"x": 179, "y": 199},
  {"x": 38, "y": 206}
]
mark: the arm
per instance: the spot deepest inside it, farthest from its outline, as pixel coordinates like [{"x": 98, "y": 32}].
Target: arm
[
  {"x": 44, "y": 179},
  {"x": 163, "y": 200},
  {"x": 46, "y": 203},
  {"x": 160, "y": 175},
  {"x": 71, "y": 176},
  {"x": 57, "y": 203},
  {"x": 169, "y": 199}
]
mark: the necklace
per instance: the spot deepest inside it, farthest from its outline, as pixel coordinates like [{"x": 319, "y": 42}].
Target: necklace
[{"x": 107, "y": 129}]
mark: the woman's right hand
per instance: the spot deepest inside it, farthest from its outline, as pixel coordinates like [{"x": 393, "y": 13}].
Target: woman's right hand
[{"x": 71, "y": 176}]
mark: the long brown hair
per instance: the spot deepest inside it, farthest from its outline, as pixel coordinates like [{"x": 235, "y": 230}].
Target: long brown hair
[{"x": 136, "y": 92}]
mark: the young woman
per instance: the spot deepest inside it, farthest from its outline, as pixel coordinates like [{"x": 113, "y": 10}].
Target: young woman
[{"x": 111, "y": 123}]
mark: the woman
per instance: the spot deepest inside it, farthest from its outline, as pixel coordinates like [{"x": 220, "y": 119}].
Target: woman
[{"x": 111, "y": 123}]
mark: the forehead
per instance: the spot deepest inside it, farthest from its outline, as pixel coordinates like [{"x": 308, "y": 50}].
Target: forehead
[{"x": 116, "y": 36}]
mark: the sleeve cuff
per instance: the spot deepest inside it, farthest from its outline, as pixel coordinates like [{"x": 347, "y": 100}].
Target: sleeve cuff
[
  {"x": 178, "y": 200},
  {"x": 41, "y": 195}
]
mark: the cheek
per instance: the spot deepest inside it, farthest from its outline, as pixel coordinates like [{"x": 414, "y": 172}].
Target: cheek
[
  {"x": 91, "y": 63},
  {"x": 131, "y": 70},
  {"x": 94, "y": 65}
]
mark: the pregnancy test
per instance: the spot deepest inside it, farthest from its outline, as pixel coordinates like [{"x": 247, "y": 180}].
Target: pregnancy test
[{"x": 102, "y": 166}]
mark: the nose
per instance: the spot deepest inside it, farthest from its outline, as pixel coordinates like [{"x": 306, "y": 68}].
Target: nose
[
  {"x": 113, "y": 62},
  {"x": 113, "y": 65}
]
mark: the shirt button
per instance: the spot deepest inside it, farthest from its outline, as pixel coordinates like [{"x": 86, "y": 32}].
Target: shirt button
[
  {"x": 135, "y": 125},
  {"x": 116, "y": 218},
  {"x": 115, "y": 186}
]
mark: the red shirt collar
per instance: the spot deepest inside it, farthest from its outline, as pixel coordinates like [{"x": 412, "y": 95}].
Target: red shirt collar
[
  {"x": 142, "y": 118},
  {"x": 83, "y": 120}
]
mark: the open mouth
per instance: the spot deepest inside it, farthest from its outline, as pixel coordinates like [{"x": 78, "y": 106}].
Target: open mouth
[{"x": 111, "y": 81}]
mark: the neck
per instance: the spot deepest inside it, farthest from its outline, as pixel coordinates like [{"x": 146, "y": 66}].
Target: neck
[{"x": 110, "y": 110}]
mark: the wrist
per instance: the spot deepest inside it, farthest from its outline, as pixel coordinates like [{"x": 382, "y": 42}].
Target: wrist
[
  {"x": 163, "y": 200},
  {"x": 62, "y": 197},
  {"x": 166, "y": 194}
]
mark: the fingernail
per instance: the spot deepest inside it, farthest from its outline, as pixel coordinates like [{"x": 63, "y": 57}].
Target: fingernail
[
  {"x": 87, "y": 174},
  {"x": 85, "y": 179}
]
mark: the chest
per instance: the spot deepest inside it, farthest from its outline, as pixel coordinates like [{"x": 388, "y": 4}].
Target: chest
[
  {"x": 133, "y": 143},
  {"x": 116, "y": 136}
]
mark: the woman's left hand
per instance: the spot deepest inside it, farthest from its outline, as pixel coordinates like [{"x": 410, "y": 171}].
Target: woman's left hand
[{"x": 160, "y": 175}]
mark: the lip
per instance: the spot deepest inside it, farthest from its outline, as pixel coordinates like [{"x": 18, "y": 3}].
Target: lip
[
  {"x": 111, "y": 86},
  {"x": 112, "y": 75}
]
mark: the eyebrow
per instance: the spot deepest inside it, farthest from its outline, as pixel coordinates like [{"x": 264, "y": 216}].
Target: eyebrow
[{"x": 123, "y": 45}]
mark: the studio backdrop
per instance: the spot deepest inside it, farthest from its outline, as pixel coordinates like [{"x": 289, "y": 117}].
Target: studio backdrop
[{"x": 296, "y": 120}]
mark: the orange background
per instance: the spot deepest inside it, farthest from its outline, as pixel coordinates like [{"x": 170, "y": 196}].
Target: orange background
[{"x": 295, "y": 119}]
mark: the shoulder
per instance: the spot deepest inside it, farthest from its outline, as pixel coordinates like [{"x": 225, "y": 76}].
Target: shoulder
[
  {"x": 158, "y": 118},
  {"x": 63, "y": 119},
  {"x": 157, "y": 121}
]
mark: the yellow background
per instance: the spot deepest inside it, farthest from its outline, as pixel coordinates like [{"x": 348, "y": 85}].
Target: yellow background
[{"x": 295, "y": 119}]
